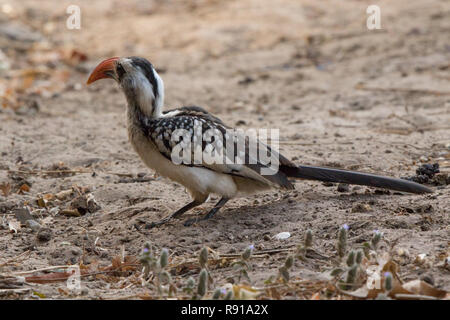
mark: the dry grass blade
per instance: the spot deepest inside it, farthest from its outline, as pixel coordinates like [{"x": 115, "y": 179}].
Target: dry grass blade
[
  {"x": 11, "y": 260},
  {"x": 404, "y": 90}
]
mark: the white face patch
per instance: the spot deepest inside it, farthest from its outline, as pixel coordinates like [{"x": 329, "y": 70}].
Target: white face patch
[
  {"x": 136, "y": 81},
  {"x": 144, "y": 93},
  {"x": 160, "y": 98}
]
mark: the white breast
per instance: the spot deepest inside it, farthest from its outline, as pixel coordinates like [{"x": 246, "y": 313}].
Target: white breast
[{"x": 196, "y": 180}]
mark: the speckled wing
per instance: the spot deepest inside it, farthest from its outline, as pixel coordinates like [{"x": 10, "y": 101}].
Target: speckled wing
[{"x": 208, "y": 135}]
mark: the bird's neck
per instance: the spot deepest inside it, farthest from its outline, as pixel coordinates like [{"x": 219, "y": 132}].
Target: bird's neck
[{"x": 145, "y": 97}]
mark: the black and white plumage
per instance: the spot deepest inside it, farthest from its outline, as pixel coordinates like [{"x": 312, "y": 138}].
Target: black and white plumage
[{"x": 151, "y": 132}]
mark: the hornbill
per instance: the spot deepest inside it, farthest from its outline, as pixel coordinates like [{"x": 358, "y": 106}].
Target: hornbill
[{"x": 151, "y": 132}]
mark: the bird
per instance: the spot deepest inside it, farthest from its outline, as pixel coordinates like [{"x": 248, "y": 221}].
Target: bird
[{"x": 155, "y": 136}]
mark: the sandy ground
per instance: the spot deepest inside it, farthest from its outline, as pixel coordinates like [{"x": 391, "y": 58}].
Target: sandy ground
[{"x": 341, "y": 95}]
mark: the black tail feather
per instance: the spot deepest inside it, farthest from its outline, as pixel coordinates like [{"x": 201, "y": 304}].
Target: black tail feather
[{"x": 353, "y": 177}]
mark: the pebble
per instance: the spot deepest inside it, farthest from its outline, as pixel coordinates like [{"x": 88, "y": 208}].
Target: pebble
[
  {"x": 343, "y": 187},
  {"x": 33, "y": 225},
  {"x": 361, "y": 207},
  {"x": 44, "y": 234},
  {"x": 428, "y": 278},
  {"x": 403, "y": 252},
  {"x": 23, "y": 215},
  {"x": 282, "y": 236}
]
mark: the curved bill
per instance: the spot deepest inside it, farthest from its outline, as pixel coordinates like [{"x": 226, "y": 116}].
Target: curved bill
[{"x": 104, "y": 70}]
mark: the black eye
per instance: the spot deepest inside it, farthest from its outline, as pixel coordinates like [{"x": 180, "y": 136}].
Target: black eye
[{"x": 120, "y": 70}]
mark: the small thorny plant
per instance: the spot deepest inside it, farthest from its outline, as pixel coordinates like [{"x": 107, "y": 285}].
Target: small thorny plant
[
  {"x": 154, "y": 271},
  {"x": 350, "y": 266},
  {"x": 189, "y": 286},
  {"x": 284, "y": 270},
  {"x": 307, "y": 243},
  {"x": 202, "y": 285},
  {"x": 204, "y": 280},
  {"x": 388, "y": 286},
  {"x": 242, "y": 266},
  {"x": 203, "y": 261}
]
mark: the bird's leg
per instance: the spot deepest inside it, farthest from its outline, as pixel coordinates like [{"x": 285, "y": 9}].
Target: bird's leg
[
  {"x": 176, "y": 214},
  {"x": 211, "y": 213}
]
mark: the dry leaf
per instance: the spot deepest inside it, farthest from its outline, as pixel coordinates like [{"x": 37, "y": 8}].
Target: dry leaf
[
  {"x": 363, "y": 293},
  {"x": 24, "y": 188},
  {"x": 77, "y": 56},
  {"x": 70, "y": 213},
  {"x": 63, "y": 194},
  {"x": 422, "y": 288},
  {"x": 49, "y": 278},
  {"x": 273, "y": 293},
  {"x": 5, "y": 187},
  {"x": 315, "y": 296},
  {"x": 244, "y": 292},
  {"x": 41, "y": 202},
  {"x": 63, "y": 292}
]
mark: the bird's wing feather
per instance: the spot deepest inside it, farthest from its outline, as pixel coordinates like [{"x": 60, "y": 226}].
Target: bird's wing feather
[{"x": 197, "y": 124}]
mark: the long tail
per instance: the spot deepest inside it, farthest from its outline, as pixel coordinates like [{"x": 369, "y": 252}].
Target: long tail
[{"x": 353, "y": 177}]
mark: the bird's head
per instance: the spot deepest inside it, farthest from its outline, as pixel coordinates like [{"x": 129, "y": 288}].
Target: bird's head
[{"x": 138, "y": 79}]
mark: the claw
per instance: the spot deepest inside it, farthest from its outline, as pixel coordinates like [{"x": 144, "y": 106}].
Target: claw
[{"x": 152, "y": 225}]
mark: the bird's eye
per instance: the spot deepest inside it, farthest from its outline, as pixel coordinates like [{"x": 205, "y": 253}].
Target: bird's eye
[{"x": 120, "y": 70}]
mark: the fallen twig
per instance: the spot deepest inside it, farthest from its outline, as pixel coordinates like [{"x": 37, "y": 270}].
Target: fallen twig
[
  {"x": 414, "y": 296},
  {"x": 9, "y": 291},
  {"x": 404, "y": 90},
  {"x": 13, "y": 259},
  {"x": 74, "y": 171},
  {"x": 256, "y": 253}
]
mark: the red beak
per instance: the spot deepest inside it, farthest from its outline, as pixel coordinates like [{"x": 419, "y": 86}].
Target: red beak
[{"x": 106, "y": 69}]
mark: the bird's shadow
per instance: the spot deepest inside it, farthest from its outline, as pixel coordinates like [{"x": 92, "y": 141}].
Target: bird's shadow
[{"x": 245, "y": 214}]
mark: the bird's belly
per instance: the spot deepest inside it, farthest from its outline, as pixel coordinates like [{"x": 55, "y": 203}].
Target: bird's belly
[{"x": 197, "y": 180}]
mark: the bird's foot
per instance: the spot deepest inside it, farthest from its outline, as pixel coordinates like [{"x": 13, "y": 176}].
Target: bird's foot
[{"x": 151, "y": 225}]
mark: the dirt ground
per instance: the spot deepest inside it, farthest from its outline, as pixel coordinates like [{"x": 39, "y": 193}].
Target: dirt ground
[{"x": 341, "y": 95}]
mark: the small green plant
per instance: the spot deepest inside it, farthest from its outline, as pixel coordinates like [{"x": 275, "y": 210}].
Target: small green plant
[
  {"x": 243, "y": 264},
  {"x": 284, "y": 270},
  {"x": 341, "y": 245},
  {"x": 388, "y": 285},
  {"x": 216, "y": 294},
  {"x": 351, "y": 268},
  {"x": 351, "y": 258},
  {"x": 359, "y": 256},
  {"x": 307, "y": 243},
  {"x": 229, "y": 295},
  {"x": 203, "y": 257},
  {"x": 202, "y": 286},
  {"x": 189, "y": 286},
  {"x": 154, "y": 267},
  {"x": 373, "y": 244},
  {"x": 388, "y": 281},
  {"x": 148, "y": 259},
  {"x": 351, "y": 277},
  {"x": 203, "y": 261}
]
